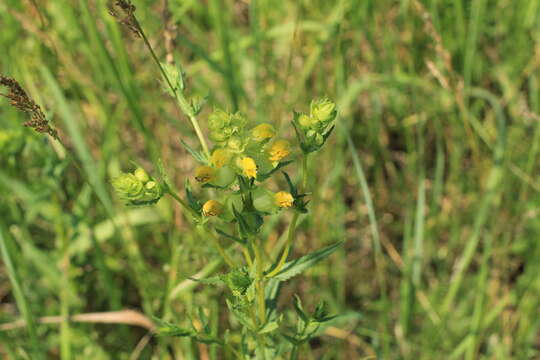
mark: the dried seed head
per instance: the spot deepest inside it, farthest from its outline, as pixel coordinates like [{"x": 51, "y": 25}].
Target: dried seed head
[
  {"x": 19, "y": 99},
  {"x": 124, "y": 12}
]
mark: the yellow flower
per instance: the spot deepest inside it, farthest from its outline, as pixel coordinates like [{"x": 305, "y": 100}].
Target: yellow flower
[
  {"x": 263, "y": 132},
  {"x": 279, "y": 150},
  {"x": 284, "y": 199},
  {"x": 212, "y": 208},
  {"x": 220, "y": 157},
  {"x": 204, "y": 174},
  {"x": 248, "y": 166}
]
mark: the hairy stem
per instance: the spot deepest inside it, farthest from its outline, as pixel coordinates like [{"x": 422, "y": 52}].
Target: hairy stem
[
  {"x": 260, "y": 284},
  {"x": 182, "y": 101},
  {"x": 221, "y": 251}
]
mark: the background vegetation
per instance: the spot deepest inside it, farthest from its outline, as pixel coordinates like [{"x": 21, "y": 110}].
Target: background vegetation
[{"x": 430, "y": 176}]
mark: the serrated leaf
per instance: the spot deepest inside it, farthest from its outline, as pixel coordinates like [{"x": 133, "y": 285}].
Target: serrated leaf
[
  {"x": 234, "y": 238},
  {"x": 295, "y": 267},
  {"x": 196, "y": 154},
  {"x": 299, "y": 308},
  {"x": 214, "y": 280},
  {"x": 169, "y": 329},
  {"x": 291, "y": 339},
  {"x": 293, "y": 190},
  {"x": 262, "y": 177},
  {"x": 208, "y": 339},
  {"x": 269, "y": 327},
  {"x": 192, "y": 201},
  {"x": 163, "y": 174}
]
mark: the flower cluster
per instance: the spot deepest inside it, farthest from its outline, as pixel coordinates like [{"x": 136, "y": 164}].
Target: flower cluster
[
  {"x": 314, "y": 128},
  {"x": 137, "y": 188},
  {"x": 241, "y": 157}
]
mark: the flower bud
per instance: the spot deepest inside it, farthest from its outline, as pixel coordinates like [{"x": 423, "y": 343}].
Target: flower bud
[
  {"x": 248, "y": 166},
  {"x": 223, "y": 125},
  {"x": 305, "y": 121},
  {"x": 324, "y": 111},
  {"x": 279, "y": 150},
  {"x": 263, "y": 132},
  {"x": 152, "y": 192},
  {"x": 204, "y": 174},
  {"x": 284, "y": 199},
  {"x": 220, "y": 157},
  {"x": 212, "y": 208},
  {"x": 128, "y": 187},
  {"x": 141, "y": 174},
  {"x": 219, "y": 125},
  {"x": 235, "y": 143}
]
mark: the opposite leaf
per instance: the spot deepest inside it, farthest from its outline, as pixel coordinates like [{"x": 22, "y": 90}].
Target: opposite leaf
[{"x": 303, "y": 263}]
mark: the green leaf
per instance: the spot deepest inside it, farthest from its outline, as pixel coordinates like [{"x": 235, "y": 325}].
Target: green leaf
[
  {"x": 228, "y": 236},
  {"x": 214, "y": 280},
  {"x": 169, "y": 329},
  {"x": 299, "y": 265},
  {"x": 196, "y": 154},
  {"x": 262, "y": 177},
  {"x": 269, "y": 327},
  {"x": 300, "y": 309},
  {"x": 192, "y": 201},
  {"x": 175, "y": 75}
]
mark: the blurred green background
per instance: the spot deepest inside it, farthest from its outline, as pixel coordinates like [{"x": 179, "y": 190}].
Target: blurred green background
[{"x": 430, "y": 176}]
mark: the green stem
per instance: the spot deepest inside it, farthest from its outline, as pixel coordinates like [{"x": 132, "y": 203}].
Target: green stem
[
  {"x": 182, "y": 101},
  {"x": 292, "y": 226},
  {"x": 221, "y": 251},
  {"x": 247, "y": 256},
  {"x": 181, "y": 202},
  {"x": 285, "y": 253},
  {"x": 260, "y": 284},
  {"x": 304, "y": 171}
]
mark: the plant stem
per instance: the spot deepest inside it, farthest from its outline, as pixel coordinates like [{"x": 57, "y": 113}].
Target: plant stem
[
  {"x": 304, "y": 171},
  {"x": 181, "y": 202},
  {"x": 247, "y": 256},
  {"x": 222, "y": 252},
  {"x": 285, "y": 253},
  {"x": 292, "y": 226},
  {"x": 218, "y": 246},
  {"x": 260, "y": 284},
  {"x": 182, "y": 101}
]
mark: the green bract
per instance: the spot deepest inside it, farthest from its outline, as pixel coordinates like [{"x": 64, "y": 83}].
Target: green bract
[
  {"x": 137, "y": 188},
  {"x": 238, "y": 280},
  {"x": 312, "y": 130},
  {"x": 223, "y": 126}
]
